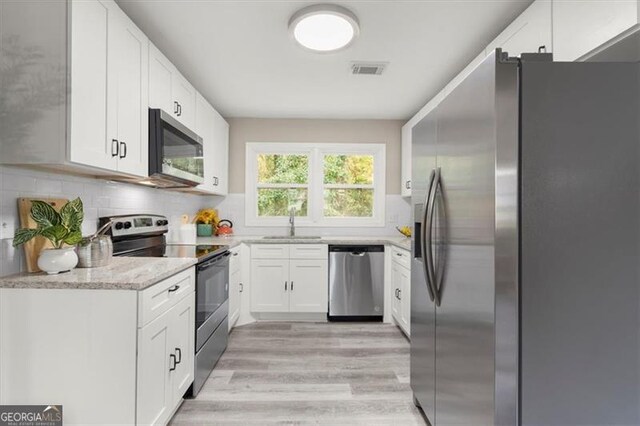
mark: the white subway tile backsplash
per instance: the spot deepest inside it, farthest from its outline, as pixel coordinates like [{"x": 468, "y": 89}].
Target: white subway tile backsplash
[
  {"x": 19, "y": 182},
  {"x": 100, "y": 198}
]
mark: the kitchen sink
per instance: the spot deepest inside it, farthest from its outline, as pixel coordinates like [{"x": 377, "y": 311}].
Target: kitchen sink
[{"x": 287, "y": 237}]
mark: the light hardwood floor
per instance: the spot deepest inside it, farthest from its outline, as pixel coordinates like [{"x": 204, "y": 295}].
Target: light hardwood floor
[{"x": 308, "y": 373}]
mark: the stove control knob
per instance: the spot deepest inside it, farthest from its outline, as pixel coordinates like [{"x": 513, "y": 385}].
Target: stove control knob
[
  {"x": 165, "y": 222},
  {"x": 159, "y": 222},
  {"x": 118, "y": 225},
  {"x": 127, "y": 225}
]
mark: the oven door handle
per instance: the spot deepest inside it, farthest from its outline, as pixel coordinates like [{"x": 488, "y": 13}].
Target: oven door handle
[{"x": 212, "y": 261}]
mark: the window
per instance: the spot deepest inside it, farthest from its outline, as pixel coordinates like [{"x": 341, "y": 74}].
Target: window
[{"x": 326, "y": 184}]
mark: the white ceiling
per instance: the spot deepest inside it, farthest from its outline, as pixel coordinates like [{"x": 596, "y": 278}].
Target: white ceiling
[{"x": 239, "y": 55}]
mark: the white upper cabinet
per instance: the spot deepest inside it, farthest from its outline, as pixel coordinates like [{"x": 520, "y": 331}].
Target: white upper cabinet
[
  {"x": 214, "y": 131},
  {"x": 581, "y": 26},
  {"x": 169, "y": 90},
  {"x": 530, "y": 31},
  {"x": 129, "y": 52},
  {"x": 405, "y": 189},
  {"x": 185, "y": 99},
  {"x": 90, "y": 142},
  {"x": 221, "y": 155},
  {"x": 109, "y": 89}
]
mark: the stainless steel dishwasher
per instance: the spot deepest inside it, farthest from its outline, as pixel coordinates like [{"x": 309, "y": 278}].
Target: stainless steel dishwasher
[{"x": 356, "y": 283}]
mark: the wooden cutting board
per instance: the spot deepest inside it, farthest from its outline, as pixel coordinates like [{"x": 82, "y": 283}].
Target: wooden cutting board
[{"x": 32, "y": 248}]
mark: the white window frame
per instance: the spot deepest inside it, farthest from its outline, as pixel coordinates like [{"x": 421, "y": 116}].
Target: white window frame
[{"x": 316, "y": 153}]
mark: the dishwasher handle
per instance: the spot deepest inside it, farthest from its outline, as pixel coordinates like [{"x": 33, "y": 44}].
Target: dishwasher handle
[{"x": 357, "y": 253}]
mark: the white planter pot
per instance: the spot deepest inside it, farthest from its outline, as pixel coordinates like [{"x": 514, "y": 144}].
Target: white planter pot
[{"x": 53, "y": 261}]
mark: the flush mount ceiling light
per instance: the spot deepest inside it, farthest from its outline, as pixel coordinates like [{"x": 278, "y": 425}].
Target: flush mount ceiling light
[{"x": 324, "y": 27}]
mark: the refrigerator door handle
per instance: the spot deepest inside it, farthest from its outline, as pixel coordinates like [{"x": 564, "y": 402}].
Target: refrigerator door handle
[
  {"x": 439, "y": 269},
  {"x": 428, "y": 239},
  {"x": 423, "y": 239}
]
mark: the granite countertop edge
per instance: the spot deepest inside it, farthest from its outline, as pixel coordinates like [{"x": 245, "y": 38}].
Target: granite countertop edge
[
  {"x": 123, "y": 273},
  {"x": 236, "y": 240}
]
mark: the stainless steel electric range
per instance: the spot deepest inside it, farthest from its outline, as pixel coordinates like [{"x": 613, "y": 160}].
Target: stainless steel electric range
[{"x": 145, "y": 236}]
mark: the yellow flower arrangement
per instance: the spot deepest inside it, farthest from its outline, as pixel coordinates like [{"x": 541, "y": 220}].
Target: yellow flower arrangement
[{"x": 207, "y": 217}]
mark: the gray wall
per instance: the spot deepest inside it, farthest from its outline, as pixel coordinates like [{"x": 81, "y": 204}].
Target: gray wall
[{"x": 243, "y": 130}]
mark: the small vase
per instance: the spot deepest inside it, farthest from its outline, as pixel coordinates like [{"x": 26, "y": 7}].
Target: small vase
[
  {"x": 205, "y": 230},
  {"x": 53, "y": 261}
]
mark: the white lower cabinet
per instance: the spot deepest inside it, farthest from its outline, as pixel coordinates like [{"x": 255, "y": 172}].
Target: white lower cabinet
[
  {"x": 289, "y": 278},
  {"x": 165, "y": 362},
  {"x": 166, "y": 353},
  {"x": 401, "y": 290},
  {"x": 112, "y": 356},
  {"x": 270, "y": 285},
  {"x": 236, "y": 286},
  {"x": 308, "y": 289}
]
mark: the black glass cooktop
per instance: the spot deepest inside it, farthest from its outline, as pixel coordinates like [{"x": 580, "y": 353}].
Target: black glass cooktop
[{"x": 200, "y": 252}]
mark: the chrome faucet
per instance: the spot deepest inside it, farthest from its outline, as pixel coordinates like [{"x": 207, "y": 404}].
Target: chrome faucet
[{"x": 292, "y": 222}]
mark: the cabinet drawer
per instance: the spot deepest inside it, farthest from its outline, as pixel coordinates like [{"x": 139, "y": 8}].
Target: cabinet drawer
[
  {"x": 234, "y": 262},
  {"x": 309, "y": 251},
  {"x": 159, "y": 298},
  {"x": 401, "y": 257},
  {"x": 270, "y": 251}
]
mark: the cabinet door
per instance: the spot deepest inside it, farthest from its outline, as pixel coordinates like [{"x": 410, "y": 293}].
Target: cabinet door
[
  {"x": 396, "y": 285},
  {"x": 528, "y": 32},
  {"x": 154, "y": 380},
  {"x": 129, "y": 53},
  {"x": 204, "y": 127},
  {"x": 221, "y": 149},
  {"x": 160, "y": 81},
  {"x": 309, "y": 286},
  {"x": 185, "y": 95},
  {"x": 90, "y": 140},
  {"x": 581, "y": 26},
  {"x": 182, "y": 346},
  {"x": 407, "y": 140},
  {"x": 405, "y": 299},
  {"x": 405, "y": 189},
  {"x": 270, "y": 285},
  {"x": 235, "y": 274}
]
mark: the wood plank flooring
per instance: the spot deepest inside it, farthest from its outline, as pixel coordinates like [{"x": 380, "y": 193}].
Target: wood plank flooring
[{"x": 308, "y": 373}]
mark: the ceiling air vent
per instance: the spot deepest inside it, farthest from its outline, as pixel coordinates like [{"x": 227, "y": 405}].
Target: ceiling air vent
[{"x": 368, "y": 68}]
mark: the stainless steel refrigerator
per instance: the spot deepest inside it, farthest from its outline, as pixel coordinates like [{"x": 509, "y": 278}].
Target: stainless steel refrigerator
[{"x": 526, "y": 250}]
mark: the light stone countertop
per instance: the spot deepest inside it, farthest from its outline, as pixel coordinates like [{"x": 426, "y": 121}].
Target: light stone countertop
[
  {"x": 233, "y": 241},
  {"x": 123, "y": 273}
]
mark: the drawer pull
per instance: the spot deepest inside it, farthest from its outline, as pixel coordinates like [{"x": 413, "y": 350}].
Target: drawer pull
[{"x": 174, "y": 288}]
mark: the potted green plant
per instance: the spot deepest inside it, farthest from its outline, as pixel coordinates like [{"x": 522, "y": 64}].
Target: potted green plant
[{"x": 62, "y": 229}]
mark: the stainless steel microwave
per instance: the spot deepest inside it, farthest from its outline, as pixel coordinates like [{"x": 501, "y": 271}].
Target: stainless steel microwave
[{"x": 175, "y": 152}]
